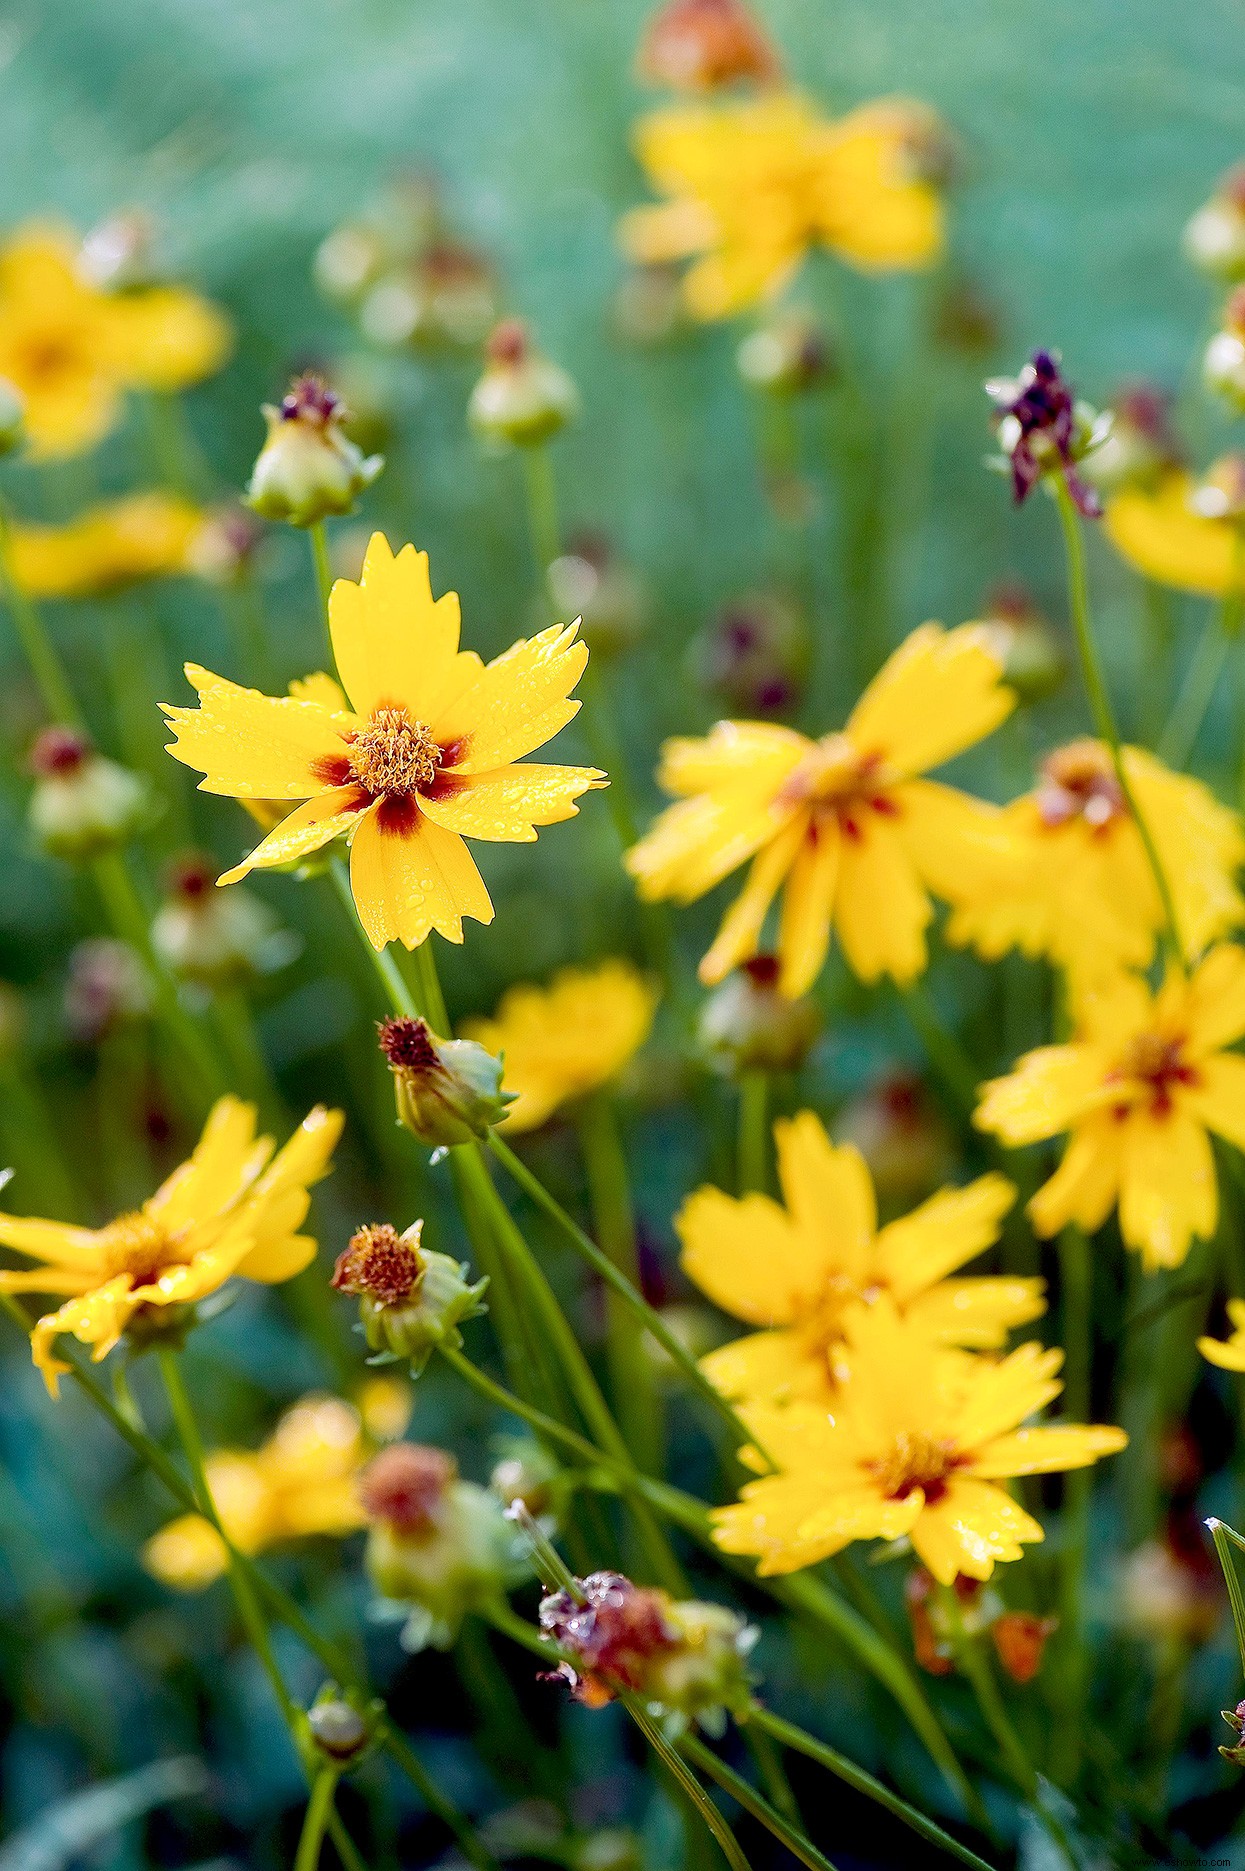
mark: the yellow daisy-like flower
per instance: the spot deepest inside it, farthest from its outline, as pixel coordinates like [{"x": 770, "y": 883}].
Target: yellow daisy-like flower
[
  {"x": 797, "y": 1269},
  {"x": 233, "y": 1209},
  {"x": 1081, "y": 890},
  {"x": 754, "y": 185},
  {"x": 918, "y": 1442},
  {"x": 561, "y": 1041},
  {"x": 107, "y": 547},
  {"x": 424, "y": 749},
  {"x": 1139, "y": 1086},
  {"x": 72, "y": 350},
  {"x": 301, "y": 1482},
  {"x": 1160, "y": 531},
  {"x": 845, "y": 826}
]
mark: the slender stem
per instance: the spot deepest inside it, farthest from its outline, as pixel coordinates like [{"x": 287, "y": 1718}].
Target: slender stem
[
  {"x": 789, "y": 1832},
  {"x": 542, "y": 507},
  {"x": 976, "y": 1667},
  {"x": 324, "y": 577},
  {"x": 241, "y": 1044},
  {"x": 1225, "y": 1539},
  {"x": 1184, "y": 724},
  {"x": 178, "y": 458},
  {"x": 753, "y": 1150},
  {"x": 343, "y": 1844},
  {"x": 315, "y": 1820},
  {"x": 631, "y": 1369},
  {"x": 953, "y": 1065},
  {"x": 1100, "y": 702},
  {"x": 430, "y": 987},
  {"x": 1076, "y": 1289},
  {"x": 37, "y": 646}
]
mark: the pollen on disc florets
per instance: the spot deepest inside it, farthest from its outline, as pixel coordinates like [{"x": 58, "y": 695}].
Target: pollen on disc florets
[
  {"x": 381, "y": 1264},
  {"x": 139, "y": 1246},
  {"x": 393, "y": 755},
  {"x": 914, "y": 1461}
]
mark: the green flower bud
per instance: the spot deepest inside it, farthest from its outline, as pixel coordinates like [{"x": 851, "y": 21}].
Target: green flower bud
[
  {"x": 1223, "y": 364},
  {"x": 83, "y": 805},
  {"x": 410, "y": 1299},
  {"x": 307, "y": 469},
  {"x": 337, "y": 1730},
  {"x": 216, "y": 938},
  {"x": 447, "y": 1091},
  {"x": 703, "y": 1675},
  {"x": 748, "y": 1026},
  {"x": 1025, "y": 644},
  {"x": 1214, "y": 239},
  {"x": 522, "y": 399},
  {"x": 12, "y": 417}
]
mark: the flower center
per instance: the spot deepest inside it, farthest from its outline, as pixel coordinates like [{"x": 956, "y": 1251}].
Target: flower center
[
  {"x": 46, "y": 356},
  {"x": 821, "y": 1315},
  {"x": 394, "y": 756},
  {"x": 838, "y": 781},
  {"x": 1155, "y": 1062},
  {"x": 380, "y": 1264},
  {"x": 914, "y": 1460},
  {"x": 1078, "y": 781},
  {"x": 139, "y": 1246}
]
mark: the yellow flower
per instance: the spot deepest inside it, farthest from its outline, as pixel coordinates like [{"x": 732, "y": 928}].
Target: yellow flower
[
  {"x": 918, "y": 1442},
  {"x": 1160, "y": 531},
  {"x": 301, "y": 1482},
  {"x": 566, "y": 1039},
  {"x": 844, "y": 826},
  {"x": 233, "y": 1209},
  {"x": 1081, "y": 890},
  {"x": 426, "y": 752},
  {"x": 796, "y": 1270},
  {"x": 118, "y": 543},
  {"x": 1229, "y": 1353},
  {"x": 72, "y": 350},
  {"x": 1143, "y": 1080},
  {"x": 753, "y": 186}
]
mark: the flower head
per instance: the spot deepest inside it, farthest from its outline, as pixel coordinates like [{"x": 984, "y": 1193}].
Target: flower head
[
  {"x": 562, "y": 1041},
  {"x": 83, "y": 804},
  {"x": 1042, "y": 429},
  {"x": 702, "y": 45},
  {"x": 410, "y": 1298},
  {"x": 447, "y": 1090},
  {"x": 233, "y": 1210},
  {"x": 215, "y": 940},
  {"x": 303, "y": 1481},
  {"x": 798, "y": 1270},
  {"x": 123, "y": 542},
  {"x": 1080, "y": 889},
  {"x": 72, "y": 350},
  {"x": 423, "y": 747},
  {"x": 523, "y": 398},
  {"x": 917, "y": 1444},
  {"x": 747, "y": 1025},
  {"x": 1143, "y": 1080},
  {"x": 307, "y": 468},
  {"x": 845, "y": 826}
]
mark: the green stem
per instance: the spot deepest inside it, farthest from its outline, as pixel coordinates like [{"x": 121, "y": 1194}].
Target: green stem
[
  {"x": 953, "y": 1065},
  {"x": 631, "y": 1369},
  {"x": 1184, "y": 724},
  {"x": 324, "y": 578},
  {"x": 397, "y": 993},
  {"x": 1100, "y": 701},
  {"x": 176, "y": 453},
  {"x": 240, "y": 1041},
  {"x": 315, "y": 1821},
  {"x": 753, "y": 1151},
  {"x": 541, "y": 489},
  {"x": 37, "y": 646},
  {"x": 1076, "y": 1289},
  {"x": 780, "y": 1824},
  {"x": 976, "y": 1667}
]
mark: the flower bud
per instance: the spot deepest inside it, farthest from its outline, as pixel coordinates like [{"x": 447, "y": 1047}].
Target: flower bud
[
  {"x": 1220, "y": 494},
  {"x": 307, "y": 468},
  {"x": 216, "y": 938},
  {"x": 1043, "y": 429},
  {"x": 83, "y": 805},
  {"x": 522, "y": 399},
  {"x": 339, "y": 1732},
  {"x": 591, "y": 583},
  {"x": 754, "y": 656},
  {"x": 704, "y": 45},
  {"x": 445, "y": 300},
  {"x": 704, "y": 1674},
  {"x": 785, "y": 355},
  {"x": 1235, "y": 1719},
  {"x": 223, "y": 549},
  {"x": 12, "y": 417},
  {"x": 437, "y": 1544},
  {"x": 746, "y": 1025},
  {"x": 447, "y": 1091},
  {"x": 1024, "y": 643},
  {"x": 1214, "y": 239},
  {"x": 1020, "y": 1639},
  {"x": 1223, "y": 365},
  {"x": 410, "y": 1298},
  {"x": 902, "y": 1138},
  {"x": 108, "y": 987}
]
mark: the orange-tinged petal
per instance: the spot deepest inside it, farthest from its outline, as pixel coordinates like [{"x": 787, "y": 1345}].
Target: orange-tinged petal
[
  {"x": 253, "y": 746},
  {"x": 508, "y": 804},
  {"x": 1047, "y": 1450},
  {"x": 829, "y": 1193},
  {"x": 973, "y": 1525},
  {"x": 881, "y": 907},
  {"x": 407, "y": 882},
  {"x": 309, "y": 827},
  {"x": 515, "y": 704},
  {"x": 1168, "y": 1191},
  {"x": 949, "y": 1229},
  {"x": 940, "y": 693},
  {"x": 808, "y": 907},
  {"x": 747, "y": 1255},
  {"x": 393, "y": 643}
]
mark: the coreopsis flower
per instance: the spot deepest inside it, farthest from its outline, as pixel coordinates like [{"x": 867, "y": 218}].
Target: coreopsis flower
[
  {"x": 702, "y": 45},
  {"x": 846, "y": 827},
  {"x": 1144, "y": 1079},
  {"x": 918, "y": 1442},
  {"x": 1081, "y": 890},
  {"x": 1042, "y": 429},
  {"x": 83, "y": 804},
  {"x": 425, "y": 748},
  {"x": 1214, "y": 238},
  {"x": 308, "y": 468},
  {"x": 233, "y": 1210},
  {"x": 1228, "y": 1353},
  {"x": 522, "y": 398},
  {"x": 795, "y": 1270},
  {"x": 565, "y": 1040},
  {"x": 72, "y": 350},
  {"x": 753, "y": 186},
  {"x": 1174, "y": 535},
  {"x": 123, "y": 542},
  {"x": 302, "y": 1481},
  {"x": 447, "y": 1091},
  {"x": 410, "y": 1299}
]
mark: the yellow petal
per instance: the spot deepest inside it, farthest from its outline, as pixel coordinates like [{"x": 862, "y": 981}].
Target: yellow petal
[
  {"x": 1050, "y": 1089},
  {"x": 187, "y": 1555},
  {"x": 1000, "y": 1395},
  {"x": 873, "y": 212},
  {"x": 1047, "y": 1450},
  {"x": 510, "y": 803},
  {"x": 309, "y": 827},
  {"x": 226, "y": 1160},
  {"x": 413, "y": 878},
  {"x": 56, "y": 1241},
  {"x": 673, "y": 230},
  {"x": 978, "y": 1313},
  {"x": 253, "y": 746},
  {"x": 393, "y": 643},
  {"x": 881, "y": 907},
  {"x": 515, "y": 704},
  {"x": 97, "y": 1318},
  {"x": 1083, "y": 1190},
  {"x": 164, "y": 338},
  {"x": 940, "y": 693},
  {"x": 1215, "y": 1001},
  {"x": 961, "y": 848},
  {"x": 973, "y": 1525},
  {"x": 740, "y": 933},
  {"x": 1218, "y": 1099},
  {"x": 768, "y": 1367},
  {"x": 752, "y": 754},
  {"x": 829, "y": 1193},
  {"x": 808, "y": 906},
  {"x": 747, "y": 1256},
  {"x": 61, "y": 1280},
  {"x": 1200, "y": 847},
  {"x": 1168, "y": 1192},
  {"x": 1228, "y": 1354},
  {"x": 1158, "y": 531},
  {"x": 949, "y": 1229}
]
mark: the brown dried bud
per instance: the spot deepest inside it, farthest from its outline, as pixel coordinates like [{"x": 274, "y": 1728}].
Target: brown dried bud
[
  {"x": 613, "y": 1635},
  {"x": 703, "y": 45},
  {"x": 403, "y": 1487},
  {"x": 1019, "y": 1639}
]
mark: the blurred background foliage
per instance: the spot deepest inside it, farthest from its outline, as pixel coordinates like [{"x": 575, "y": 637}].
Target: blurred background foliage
[{"x": 250, "y": 129}]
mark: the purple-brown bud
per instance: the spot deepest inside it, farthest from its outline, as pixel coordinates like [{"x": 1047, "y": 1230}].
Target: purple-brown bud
[
  {"x": 308, "y": 468},
  {"x": 523, "y": 398},
  {"x": 1042, "y": 429}
]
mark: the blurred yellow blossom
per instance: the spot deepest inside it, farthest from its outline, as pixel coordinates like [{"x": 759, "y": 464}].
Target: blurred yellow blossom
[
  {"x": 1228, "y": 1352},
  {"x": 561, "y": 1041},
  {"x": 795, "y": 1270},
  {"x": 919, "y": 1440},
  {"x": 385, "y": 1403},
  {"x": 432, "y": 751},
  {"x": 233, "y": 1209},
  {"x": 845, "y": 826},
  {"x": 72, "y": 349},
  {"x": 1141, "y": 1083},
  {"x": 301, "y": 1482},
  {"x": 118, "y": 543},
  {"x": 1161, "y": 531}
]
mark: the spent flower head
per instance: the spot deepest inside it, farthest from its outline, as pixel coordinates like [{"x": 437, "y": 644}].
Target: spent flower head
[
  {"x": 447, "y": 1091},
  {"x": 1043, "y": 430},
  {"x": 411, "y": 1299},
  {"x": 705, "y": 45}
]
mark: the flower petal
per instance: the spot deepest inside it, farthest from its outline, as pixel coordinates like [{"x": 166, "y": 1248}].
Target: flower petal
[
  {"x": 1084, "y": 1189},
  {"x": 309, "y": 827},
  {"x": 768, "y": 1367},
  {"x": 941, "y": 692},
  {"x": 978, "y": 1312},
  {"x": 829, "y": 1193},
  {"x": 508, "y": 804},
  {"x": 1047, "y": 1450},
  {"x": 515, "y": 704},
  {"x": 1168, "y": 1191},
  {"x": 881, "y": 907},
  {"x": 392, "y": 641},
  {"x": 740, "y": 931},
  {"x": 748, "y": 1256},
  {"x": 949, "y": 1229},
  {"x": 808, "y": 906},
  {"x": 1049, "y": 1090},
  {"x": 227, "y": 1159},
  {"x": 973, "y": 1525},
  {"x": 57, "y": 1241},
  {"x": 409, "y": 877},
  {"x": 253, "y": 746}
]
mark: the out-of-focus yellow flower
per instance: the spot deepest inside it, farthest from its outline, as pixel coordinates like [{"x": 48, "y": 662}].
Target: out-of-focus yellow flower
[
  {"x": 429, "y": 750},
  {"x": 754, "y": 185},
  {"x": 72, "y": 350},
  {"x": 797, "y": 1269},
  {"x": 845, "y": 826},
  {"x": 233, "y": 1209},
  {"x": 109, "y": 546},
  {"x": 1160, "y": 530},
  {"x": 1143, "y": 1080},
  {"x": 1229, "y": 1352},
  {"x": 301, "y": 1482},
  {"x": 918, "y": 1442},
  {"x": 385, "y": 1404},
  {"x": 1080, "y": 888},
  {"x": 561, "y": 1041}
]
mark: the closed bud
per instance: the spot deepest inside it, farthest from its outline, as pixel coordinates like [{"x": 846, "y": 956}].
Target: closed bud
[
  {"x": 754, "y": 656},
  {"x": 786, "y": 354},
  {"x": 902, "y": 1138},
  {"x": 438, "y": 1546},
  {"x": 12, "y": 417},
  {"x": 347, "y": 261},
  {"x": 1223, "y": 364},
  {"x": 410, "y": 1299},
  {"x": 1025, "y": 644},
  {"x": 522, "y": 399},
  {"x": 308, "y": 468},
  {"x": 747, "y": 1025},
  {"x": 83, "y": 805},
  {"x": 108, "y": 988},
  {"x": 222, "y": 550},
  {"x": 338, "y": 1730},
  {"x": 590, "y": 582},
  {"x": 214, "y": 938},
  {"x": 704, "y": 45},
  {"x": 447, "y": 1091},
  {"x": 1214, "y": 239},
  {"x": 1020, "y": 1639}
]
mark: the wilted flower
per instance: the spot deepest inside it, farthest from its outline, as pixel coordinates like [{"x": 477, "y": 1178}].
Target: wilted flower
[
  {"x": 410, "y": 1299},
  {"x": 755, "y": 655},
  {"x": 522, "y": 399},
  {"x": 748, "y": 1025},
  {"x": 107, "y": 987},
  {"x": 447, "y": 1091},
  {"x": 214, "y": 938},
  {"x": 1214, "y": 239},
  {"x": 1235, "y": 1719},
  {"x": 307, "y": 468},
  {"x": 1019, "y": 1637},
  {"x": 82, "y": 804},
  {"x": 1043, "y": 430},
  {"x": 702, "y": 45}
]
